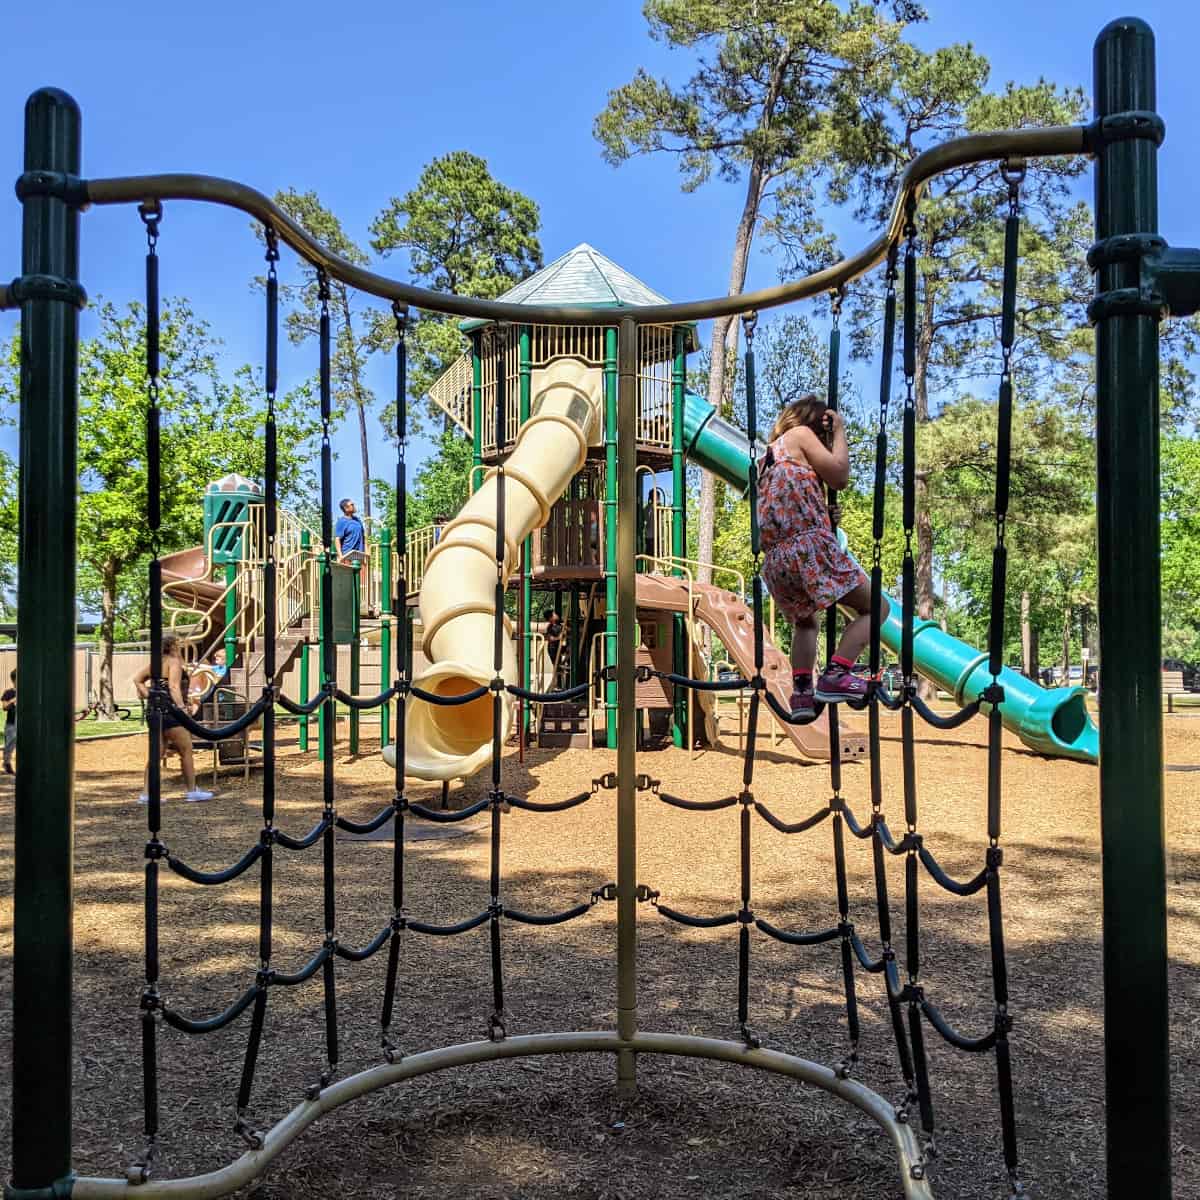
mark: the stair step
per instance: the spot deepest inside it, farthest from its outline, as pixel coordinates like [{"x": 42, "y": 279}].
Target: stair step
[
  {"x": 563, "y": 725},
  {"x": 565, "y": 741}
]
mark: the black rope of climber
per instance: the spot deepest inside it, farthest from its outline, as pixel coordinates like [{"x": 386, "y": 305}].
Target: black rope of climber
[
  {"x": 154, "y": 1007},
  {"x": 403, "y": 672},
  {"x": 910, "y": 1007},
  {"x": 151, "y": 1000}
]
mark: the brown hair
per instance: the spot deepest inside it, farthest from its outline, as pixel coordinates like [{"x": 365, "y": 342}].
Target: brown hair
[
  {"x": 808, "y": 410},
  {"x": 170, "y": 644}
]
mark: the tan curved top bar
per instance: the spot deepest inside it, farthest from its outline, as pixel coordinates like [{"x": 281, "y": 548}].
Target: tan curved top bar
[
  {"x": 976, "y": 147},
  {"x": 252, "y": 1163}
]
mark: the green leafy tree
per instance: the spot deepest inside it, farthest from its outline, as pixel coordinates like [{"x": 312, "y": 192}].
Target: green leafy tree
[
  {"x": 1181, "y": 546},
  {"x": 354, "y": 332},
  {"x": 960, "y": 242},
  {"x": 781, "y": 90},
  {"x": 210, "y": 426},
  {"x": 1050, "y": 529},
  {"x": 465, "y": 233},
  {"x": 442, "y": 483}
]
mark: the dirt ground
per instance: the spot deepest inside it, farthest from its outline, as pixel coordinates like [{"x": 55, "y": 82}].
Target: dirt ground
[{"x": 554, "y": 1127}]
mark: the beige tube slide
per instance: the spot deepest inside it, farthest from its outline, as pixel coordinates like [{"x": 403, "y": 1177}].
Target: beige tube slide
[{"x": 457, "y": 601}]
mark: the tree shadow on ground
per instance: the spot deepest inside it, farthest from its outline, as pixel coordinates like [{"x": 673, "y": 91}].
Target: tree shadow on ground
[{"x": 548, "y": 1128}]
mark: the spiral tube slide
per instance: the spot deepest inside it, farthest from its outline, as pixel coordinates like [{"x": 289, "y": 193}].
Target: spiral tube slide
[
  {"x": 1052, "y": 721},
  {"x": 458, "y": 593}
]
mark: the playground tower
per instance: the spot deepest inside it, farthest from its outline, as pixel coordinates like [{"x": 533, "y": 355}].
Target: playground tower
[{"x": 571, "y": 560}]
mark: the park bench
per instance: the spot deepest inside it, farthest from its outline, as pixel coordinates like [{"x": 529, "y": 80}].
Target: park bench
[{"x": 1172, "y": 686}]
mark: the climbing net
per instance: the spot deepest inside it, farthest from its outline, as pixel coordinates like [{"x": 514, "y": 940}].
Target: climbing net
[
  {"x": 155, "y": 1007},
  {"x": 910, "y": 1007},
  {"x": 909, "y": 1004}
]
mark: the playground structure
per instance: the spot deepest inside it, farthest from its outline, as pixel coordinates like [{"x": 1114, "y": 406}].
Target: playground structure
[
  {"x": 1140, "y": 282},
  {"x": 562, "y": 493},
  {"x": 568, "y": 547}
]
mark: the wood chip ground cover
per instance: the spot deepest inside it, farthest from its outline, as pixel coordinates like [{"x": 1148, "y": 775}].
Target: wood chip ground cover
[{"x": 554, "y": 1127}]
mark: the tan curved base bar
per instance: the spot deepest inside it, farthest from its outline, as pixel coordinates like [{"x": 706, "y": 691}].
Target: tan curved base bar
[
  {"x": 252, "y": 1164},
  {"x": 458, "y": 593}
]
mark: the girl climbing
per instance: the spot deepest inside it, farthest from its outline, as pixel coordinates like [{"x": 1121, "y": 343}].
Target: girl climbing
[{"x": 803, "y": 565}]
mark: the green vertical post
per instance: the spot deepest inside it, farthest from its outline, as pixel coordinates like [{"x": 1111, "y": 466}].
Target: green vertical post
[
  {"x": 231, "y": 615},
  {"x": 44, "y": 821},
  {"x": 385, "y": 632},
  {"x": 611, "y": 495},
  {"x": 626, "y": 712},
  {"x": 679, "y": 646},
  {"x": 525, "y": 396},
  {"x": 305, "y": 551},
  {"x": 321, "y": 660},
  {"x": 1136, "y": 1047},
  {"x": 356, "y": 654},
  {"x": 476, "y": 409},
  {"x": 575, "y": 640}
]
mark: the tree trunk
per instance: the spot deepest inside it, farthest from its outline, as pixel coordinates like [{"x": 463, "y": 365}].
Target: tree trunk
[
  {"x": 1066, "y": 643},
  {"x": 724, "y": 347},
  {"x": 924, "y": 563},
  {"x": 108, "y": 621},
  {"x": 360, "y": 401},
  {"x": 1029, "y": 667}
]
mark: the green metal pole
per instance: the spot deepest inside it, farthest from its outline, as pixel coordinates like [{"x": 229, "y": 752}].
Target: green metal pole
[
  {"x": 321, "y": 722},
  {"x": 305, "y": 551},
  {"x": 573, "y": 632},
  {"x": 355, "y": 654},
  {"x": 43, "y": 827},
  {"x": 626, "y": 712},
  {"x": 610, "y": 531},
  {"x": 385, "y": 633},
  {"x": 679, "y": 725},
  {"x": 231, "y": 612},
  {"x": 525, "y": 396},
  {"x": 476, "y": 410},
  {"x": 1136, "y": 1047}
]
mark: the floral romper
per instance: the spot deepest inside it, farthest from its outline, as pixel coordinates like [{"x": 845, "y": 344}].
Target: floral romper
[{"x": 803, "y": 565}]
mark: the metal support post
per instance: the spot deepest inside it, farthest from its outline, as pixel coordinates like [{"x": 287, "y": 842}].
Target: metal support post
[
  {"x": 679, "y": 646},
  {"x": 611, "y": 497},
  {"x": 524, "y": 398},
  {"x": 476, "y": 411},
  {"x": 1136, "y": 1048},
  {"x": 321, "y": 651},
  {"x": 356, "y": 653},
  {"x": 305, "y": 552},
  {"x": 44, "y": 822},
  {"x": 385, "y": 632},
  {"x": 231, "y": 612},
  {"x": 626, "y": 450}
]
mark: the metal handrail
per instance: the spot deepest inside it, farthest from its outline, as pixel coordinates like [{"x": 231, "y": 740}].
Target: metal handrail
[{"x": 1050, "y": 142}]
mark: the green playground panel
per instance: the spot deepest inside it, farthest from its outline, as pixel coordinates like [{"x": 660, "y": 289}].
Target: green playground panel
[{"x": 345, "y": 604}]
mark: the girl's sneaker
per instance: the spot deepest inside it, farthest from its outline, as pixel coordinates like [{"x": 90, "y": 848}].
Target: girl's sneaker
[
  {"x": 839, "y": 684},
  {"x": 197, "y": 796},
  {"x": 801, "y": 703}
]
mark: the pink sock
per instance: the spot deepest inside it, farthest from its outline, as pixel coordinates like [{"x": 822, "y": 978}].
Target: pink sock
[{"x": 842, "y": 662}]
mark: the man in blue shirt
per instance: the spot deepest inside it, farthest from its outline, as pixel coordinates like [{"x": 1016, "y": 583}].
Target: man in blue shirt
[{"x": 349, "y": 537}]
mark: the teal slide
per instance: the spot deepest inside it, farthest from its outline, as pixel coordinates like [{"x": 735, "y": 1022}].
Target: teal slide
[{"x": 1052, "y": 721}]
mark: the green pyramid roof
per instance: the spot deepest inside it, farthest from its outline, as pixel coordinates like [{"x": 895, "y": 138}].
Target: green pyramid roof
[{"x": 583, "y": 277}]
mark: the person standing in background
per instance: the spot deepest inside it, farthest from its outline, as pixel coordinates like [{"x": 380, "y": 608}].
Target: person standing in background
[
  {"x": 349, "y": 536},
  {"x": 8, "y": 702}
]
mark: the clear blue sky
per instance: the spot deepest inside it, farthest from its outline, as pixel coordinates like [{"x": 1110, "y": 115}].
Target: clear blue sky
[{"x": 352, "y": 102}]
